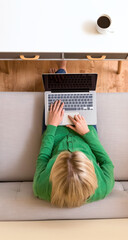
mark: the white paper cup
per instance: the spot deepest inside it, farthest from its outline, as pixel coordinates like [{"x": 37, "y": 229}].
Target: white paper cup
[{"x": 103, "y": 24}]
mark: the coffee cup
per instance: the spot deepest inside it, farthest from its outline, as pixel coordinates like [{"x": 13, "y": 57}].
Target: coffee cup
[{"x": 103, "y": 24}]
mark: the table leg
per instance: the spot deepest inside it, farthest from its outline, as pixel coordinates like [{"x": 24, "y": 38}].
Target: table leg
[{"x": 119, "y": 67}]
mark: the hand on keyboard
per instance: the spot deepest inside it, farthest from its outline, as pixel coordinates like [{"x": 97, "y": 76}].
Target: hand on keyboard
[
  {"x": 81, "y": 126},
  {"x": 56, "y": 113}
]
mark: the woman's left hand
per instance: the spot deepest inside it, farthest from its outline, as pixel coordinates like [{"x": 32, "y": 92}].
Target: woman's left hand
[{"x": 56, "y": 113}]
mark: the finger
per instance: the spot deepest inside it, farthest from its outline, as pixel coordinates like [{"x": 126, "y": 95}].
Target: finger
[
  {"x": 51, "y": 107},
  {"x": 62, "y": 112},
  {"x": 76, "y": 117},
  {"x": 54, "y": 106},
  {"x": 72, "y": 119},
  {"x": 82, "y": 117},
  {"x": 61, "y": 107},
  {"x": 58, "y": 105},
  {"x": 69, "y": 126},
  {"x": 79, "y": 116}
]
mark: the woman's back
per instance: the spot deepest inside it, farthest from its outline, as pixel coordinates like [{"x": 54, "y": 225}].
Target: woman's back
[{"x": 58, "y": 139}]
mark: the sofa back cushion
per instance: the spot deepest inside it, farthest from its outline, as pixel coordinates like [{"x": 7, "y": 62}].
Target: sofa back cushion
[
  {"x": 21, "y": 115},
  {"x": 20, "y": 134},
  {"x": 112, "y": 110}
]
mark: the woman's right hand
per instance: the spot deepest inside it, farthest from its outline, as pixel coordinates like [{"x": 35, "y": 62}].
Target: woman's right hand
[
  {"x": 56, "y": 113},
  {"x": 81, "y": 126}
]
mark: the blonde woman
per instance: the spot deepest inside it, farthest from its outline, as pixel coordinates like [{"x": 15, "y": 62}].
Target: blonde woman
[{"x": 72, "y": 166}]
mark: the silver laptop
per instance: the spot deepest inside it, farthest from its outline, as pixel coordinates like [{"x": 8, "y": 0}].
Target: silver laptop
[{"x": 77, "y": 91}]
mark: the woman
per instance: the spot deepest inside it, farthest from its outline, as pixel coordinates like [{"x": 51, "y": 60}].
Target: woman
[{"x": 72, "y": 167}]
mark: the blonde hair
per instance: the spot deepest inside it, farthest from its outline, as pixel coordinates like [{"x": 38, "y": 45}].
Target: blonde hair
[{"x": 73, "y": 179}]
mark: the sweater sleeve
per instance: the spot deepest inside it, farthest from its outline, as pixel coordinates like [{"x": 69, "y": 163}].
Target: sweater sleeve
[
  {"x": 45, "y": 152},
  {"x": 102, "y": 157}
]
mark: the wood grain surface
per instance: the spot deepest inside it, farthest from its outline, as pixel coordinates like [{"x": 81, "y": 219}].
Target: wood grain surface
[{"x": 27, "y": 75}]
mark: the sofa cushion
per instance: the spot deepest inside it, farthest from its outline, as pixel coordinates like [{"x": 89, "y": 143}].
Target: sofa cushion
[
  {"x": 17, "y": 202},
  {"x": 20, "y": 134},
  {"x": 112, "y": 111},
  {"x": 21, "y": 130}
]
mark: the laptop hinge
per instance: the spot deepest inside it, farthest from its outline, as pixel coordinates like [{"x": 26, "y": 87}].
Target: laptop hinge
[{"x": 70, "y": 90}]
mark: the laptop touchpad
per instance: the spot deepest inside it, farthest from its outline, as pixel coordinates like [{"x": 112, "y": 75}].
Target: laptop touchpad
[{"x": 66, "y": 120}]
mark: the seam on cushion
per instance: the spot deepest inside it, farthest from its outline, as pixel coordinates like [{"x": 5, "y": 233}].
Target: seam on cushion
[
  {"x": 126, "y": 190},
  {"x": 122, "y": 186},
  {"x": 18, "y": 190},
  {"x": 19, "y": 187}
]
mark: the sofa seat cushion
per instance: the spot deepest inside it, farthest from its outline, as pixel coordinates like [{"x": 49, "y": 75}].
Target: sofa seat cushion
[{"x": 17, "y": 202}]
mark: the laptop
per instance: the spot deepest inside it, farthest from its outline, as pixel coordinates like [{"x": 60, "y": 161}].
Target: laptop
[{"x": 77, "y": 91}]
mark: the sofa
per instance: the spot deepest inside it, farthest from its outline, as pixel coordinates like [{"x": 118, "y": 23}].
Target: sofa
[{"x": 21, "y": 115}]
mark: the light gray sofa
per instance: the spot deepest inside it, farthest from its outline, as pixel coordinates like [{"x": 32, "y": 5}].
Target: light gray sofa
[{"x": 20, "y": 139}]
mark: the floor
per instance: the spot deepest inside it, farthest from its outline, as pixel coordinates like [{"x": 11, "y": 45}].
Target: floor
[
  {"x": 27, "y": 75},
  {"x": 102, "y": 229}
]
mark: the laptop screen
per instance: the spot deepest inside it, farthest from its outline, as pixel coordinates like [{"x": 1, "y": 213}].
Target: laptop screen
[{"x": 60, "y": 82}]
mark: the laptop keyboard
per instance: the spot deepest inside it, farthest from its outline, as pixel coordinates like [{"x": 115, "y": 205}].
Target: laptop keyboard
[{"x": 73, "y": 101}]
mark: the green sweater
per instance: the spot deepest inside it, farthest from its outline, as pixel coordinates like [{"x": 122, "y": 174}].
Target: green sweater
[{"x": 61, "y": 138}]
